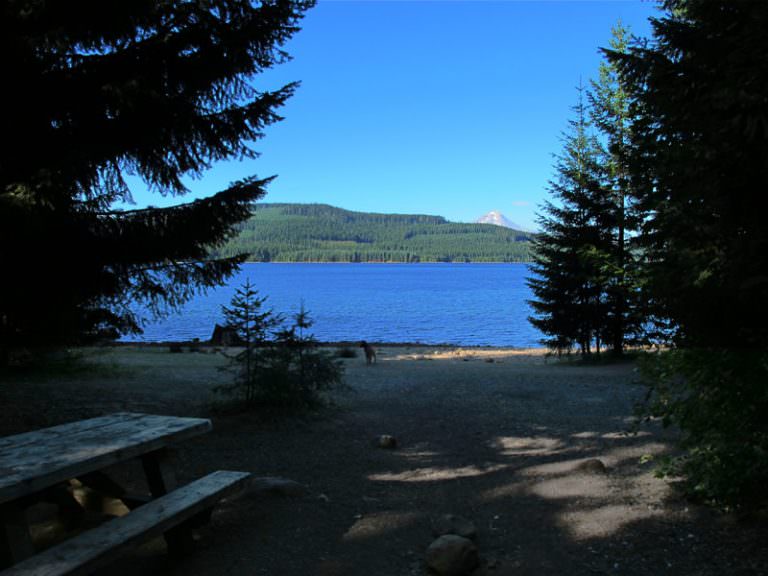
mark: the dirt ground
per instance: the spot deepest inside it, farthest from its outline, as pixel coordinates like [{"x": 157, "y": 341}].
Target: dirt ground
[{"x": 496, "y": 436}]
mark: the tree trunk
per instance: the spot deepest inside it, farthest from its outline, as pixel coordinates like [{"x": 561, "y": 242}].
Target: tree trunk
[{"x": 620, "y": 295}]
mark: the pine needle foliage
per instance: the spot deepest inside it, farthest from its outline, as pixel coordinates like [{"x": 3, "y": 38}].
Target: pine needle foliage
[
  {"x": 699, "y": 93},
  {"x": 278, "y": 366},
  {"x": 102, "y": 91},
  {"x": 609, "y": 110},
  {"x": 570, "y": 264},
  {"x": 253, "y": 324},
  {"x": 588, "y": 282},
  {"x": 303, "y": 371}
]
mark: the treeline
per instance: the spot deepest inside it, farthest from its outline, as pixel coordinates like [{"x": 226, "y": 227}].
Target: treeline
[{"x": 322, "y": 233}]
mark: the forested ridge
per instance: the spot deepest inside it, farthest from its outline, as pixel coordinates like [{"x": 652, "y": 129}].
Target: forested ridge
[{"x": 322, "y": 233}]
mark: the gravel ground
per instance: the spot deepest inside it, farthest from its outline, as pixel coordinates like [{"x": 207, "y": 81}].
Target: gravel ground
[{"x": 496, "y": 436}]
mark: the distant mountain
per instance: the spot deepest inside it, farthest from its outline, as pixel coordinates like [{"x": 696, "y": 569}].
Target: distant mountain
[
  {"x": 322, "y": 233},
  {"x": 498, "y": 219}
]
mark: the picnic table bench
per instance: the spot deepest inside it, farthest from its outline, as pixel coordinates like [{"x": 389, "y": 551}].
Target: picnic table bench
[{"x": 35, "y": 463}]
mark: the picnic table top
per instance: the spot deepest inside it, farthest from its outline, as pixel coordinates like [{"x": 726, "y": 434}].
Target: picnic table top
[{"x": 36, "y": 460}]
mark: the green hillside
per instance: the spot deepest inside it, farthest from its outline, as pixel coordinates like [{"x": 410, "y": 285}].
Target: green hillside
[{"x": 322, "y": 233}]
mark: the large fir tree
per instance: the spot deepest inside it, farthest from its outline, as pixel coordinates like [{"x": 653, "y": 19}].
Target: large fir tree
[
  {"x": 699, "y": 166},
  {"x": 610, "y": 114},
  {"x": 96, "y": 91},
  {"x": 572, "y": 251}
]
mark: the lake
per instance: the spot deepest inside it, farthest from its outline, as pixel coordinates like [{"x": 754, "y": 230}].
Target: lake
[{"x": 463, "y": 304}]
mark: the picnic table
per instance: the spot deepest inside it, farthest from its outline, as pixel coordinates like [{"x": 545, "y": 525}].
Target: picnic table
[{"x": 35, "y": 464}]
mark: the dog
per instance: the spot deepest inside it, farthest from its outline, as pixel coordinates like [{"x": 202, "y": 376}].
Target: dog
[{"x": 370, "y": 353}]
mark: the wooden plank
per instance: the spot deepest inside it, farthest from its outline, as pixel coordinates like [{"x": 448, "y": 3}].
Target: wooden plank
[
  {"x": 160, "y": 469},
  {"x": 105, "y": 425},
  {"x": 32, "y": 461},
  {"x": 34, "y": 437},
  {"x": 96, "y": 548}
]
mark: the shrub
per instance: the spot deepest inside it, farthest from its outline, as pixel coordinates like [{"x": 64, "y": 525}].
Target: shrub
[{"x": 719, "y": 401}]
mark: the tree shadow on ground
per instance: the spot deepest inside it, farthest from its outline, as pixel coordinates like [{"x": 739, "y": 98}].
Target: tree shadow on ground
[
  {"x": 499, "y": 443},
  {"x": 503, "y": 450}
]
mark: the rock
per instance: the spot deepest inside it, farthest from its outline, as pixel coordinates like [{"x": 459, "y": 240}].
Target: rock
[
  {"x": 452, "y": 524},
  {"x": 452, "y": 555},
  {"x": 591, "y": 466},
  {"x": 386, "y": 441},
  {"x": 277, "y": 487},
  {"x": 225, "y": 336}
]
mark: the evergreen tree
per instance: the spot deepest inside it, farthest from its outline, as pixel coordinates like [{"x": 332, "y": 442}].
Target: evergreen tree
[
  {"x": 302, "y": 370},
  {"x": 698, "y": 168},
  {"x": 572, "y": 256},
  {"x": 277, "y": 367},
  {"x": 610, "y": 114},
  {"x": 100, "y": 91},
  {"x": 253, "y": 324}
]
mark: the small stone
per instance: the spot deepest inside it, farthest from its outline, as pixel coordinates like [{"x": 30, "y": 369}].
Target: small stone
[
  {"x": 278, "y": 487},
  {"x": 387, "y": 442},
  {"x": 452, "y": 524},
  {"x": 452, "y": 555},
  {"x": 591, "y": 466}
]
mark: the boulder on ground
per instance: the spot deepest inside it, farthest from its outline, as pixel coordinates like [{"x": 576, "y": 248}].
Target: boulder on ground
[
  {"x": 591, "y": 466},
  {"x": 275, "y": 486},
  {"x": 225, "y": 336},
  {"x": 452, "y": 555},
  {"x": 452, "y": 524},
  {"x": 386, "y": 441}
]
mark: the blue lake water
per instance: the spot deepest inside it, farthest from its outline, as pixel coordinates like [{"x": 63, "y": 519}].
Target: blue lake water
[{"x": 464, "y": 304}]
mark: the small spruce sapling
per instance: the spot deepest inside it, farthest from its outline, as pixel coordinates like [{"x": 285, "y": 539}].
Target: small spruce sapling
[
  {"x": 305, "y": 370},
  {"x": 253, "y": 324}
]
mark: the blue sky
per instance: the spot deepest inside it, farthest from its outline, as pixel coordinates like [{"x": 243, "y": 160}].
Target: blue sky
[{"x": 436, "y": 107}]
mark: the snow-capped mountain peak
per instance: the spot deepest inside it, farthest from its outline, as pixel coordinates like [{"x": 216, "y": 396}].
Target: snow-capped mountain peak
[{"x": 497, "y": 218}]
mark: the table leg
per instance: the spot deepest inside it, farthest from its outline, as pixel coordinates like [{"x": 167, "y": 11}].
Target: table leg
[
  {"x": 70, "y": 510},
  {"x": 160, "y": 469},
  {"x": 15, "y": 540}
]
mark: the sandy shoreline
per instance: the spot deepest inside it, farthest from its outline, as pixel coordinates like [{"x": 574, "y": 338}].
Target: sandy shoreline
[{"x": 345, "y": 344}]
